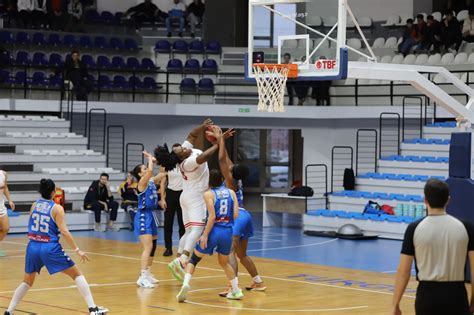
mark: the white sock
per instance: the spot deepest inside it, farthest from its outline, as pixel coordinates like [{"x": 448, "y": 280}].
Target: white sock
[
  {"x": 144, "y": 273},
  {"x": 148, "y": 270},
  {"x": 257, "y": 279},
  {"x": 85, "y": 290},
  {"x": 187, "y": 278},
  {"x": 20, "y": 293},
  {"x": 235, "y": 285}
]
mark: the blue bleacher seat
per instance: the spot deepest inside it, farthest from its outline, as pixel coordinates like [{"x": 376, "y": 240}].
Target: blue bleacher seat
[
  {"x": 6, "y": 77},
  {"x": 70, "y": 41},
  {"x": 22, "y": 58},
  {"x": 55, "y": 60},
  {"x": 88, "y": 61},
  {"x": 118, "y": 17},
  {"x": 39, "y": 59},
  {"x": 103, "y": 62},
  {"x": 338, "y": 193},
  {"x": 133, "y": 63},
  {"x": 131, "y": 44},
  {"x": 100, "y": 42},
  {"x": 22, "y": 38},
  {"x": 374, "y": 217},
  {"x": 120, "y": 82},
  {"x": 365, "y": 175},
  {"x": 359, "y": 216},
  {"x": 443, "y": 159},
  {"x": 116, "y": 43},
  {"x": 149, "y": 83},
  {"x": 390, "y": 176},
  {"x": 92, "y": 16},
  {"x": 422, "y": 178},
  {"x": 313, "y": 212},
  {"x": 85, "y": 41},
  {"x": 55, "y": 81},
  {"x": 174, "y": 65},
  {"x": 328, "y": 213},
  {"x": 192, "y": 66},
  {"x": 163, "y": 47},
  {"x": 206, "y": 86},
  {"x": 39, "y": 39},
  {"x": 107, "y": 17},
  {"x": 180, "y": 47},
  {"x": 343, "y": 214},
  {"x": 104, "y": 82},
  {"x": 196, "y": 47},
  {"x": 39, "y": 79},
  {"x": 381, "y": 195},
  {"x": 438, "y": 177},
  {"x": 20, "y": 78},
  {"x": 394, "y": 219},
  {"x": 399, "y": 197},
  {"x": 7, "y": 38},
  {"x": 187, "y": 85},
  {"x": 135, "y": 82},
  {"x": 388, "y": 157},
  {"x": 54, "y": 40},
  {"x": 148, "y": 64},
  {"x": 213, "y": 47},
  {"x": 118, "y": 62},
  {"x": 415, "y": 198},
  {"x": 209, "y": 66}
]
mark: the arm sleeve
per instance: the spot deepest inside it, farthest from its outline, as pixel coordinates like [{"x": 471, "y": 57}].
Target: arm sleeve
[
  {"x": 187, "y": 144},
  {"x": 470, "y": 232},
  {"x": 190, "y": 164},
  {"x": 408, "y": 247}
]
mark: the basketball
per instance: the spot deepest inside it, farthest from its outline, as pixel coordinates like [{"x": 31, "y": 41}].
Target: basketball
[{"x": 209, "y": 135}]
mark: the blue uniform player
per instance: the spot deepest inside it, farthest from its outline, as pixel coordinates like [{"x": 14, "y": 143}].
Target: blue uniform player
[
  {"x": 45, "y": 226},
  {"x": 146, "y": 226},
  {"x": 234, "y": 174},
  {"x": 222, "y": 210}
]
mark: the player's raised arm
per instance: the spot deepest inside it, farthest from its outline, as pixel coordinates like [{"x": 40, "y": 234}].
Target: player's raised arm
[
  {"x": 198, "y": 131},
  {"x": 211, "y": 217},
  {"x": 236, "y": 204},
  {"x": 6, "y": 192},
  {"x": 148, "y": 174},
  {"x": 225, "y": 162},
  {"x": 58, "y": 215}
]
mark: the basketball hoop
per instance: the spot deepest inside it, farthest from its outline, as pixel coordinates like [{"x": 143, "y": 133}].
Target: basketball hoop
[{"x": 271, "y": 84}]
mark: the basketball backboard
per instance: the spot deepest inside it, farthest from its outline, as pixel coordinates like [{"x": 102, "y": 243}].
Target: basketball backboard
[{"x": 289, "y": 31}]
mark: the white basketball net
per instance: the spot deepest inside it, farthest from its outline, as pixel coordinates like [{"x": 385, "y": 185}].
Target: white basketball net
[{"x": 271, "y": 84}]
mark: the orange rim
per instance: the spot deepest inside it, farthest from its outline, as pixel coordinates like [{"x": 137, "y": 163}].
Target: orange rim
[{"x": 292, "y": 68}]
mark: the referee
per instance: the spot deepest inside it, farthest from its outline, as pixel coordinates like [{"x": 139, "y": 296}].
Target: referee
[
  {"x": 439, "y": 244},
  {"x": 171, "y": 188}
]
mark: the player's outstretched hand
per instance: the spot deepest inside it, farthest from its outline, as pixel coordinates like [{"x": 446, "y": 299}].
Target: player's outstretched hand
[
  {"x": 83, "y": 256},
  {"x": 208, "y": 122},
  {"x": 12, "y": 205},
  {"x": 203, "y": 242},
  {"x": 149, "y": 155},
  {"x": 229, "y": 133}
]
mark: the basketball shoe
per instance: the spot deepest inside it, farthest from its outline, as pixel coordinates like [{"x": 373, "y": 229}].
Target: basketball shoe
[
  {"x": 144, "y": 282},
  {"x": 176, "y": 269},
  {"x": 256, "y": 287},
  {"x": 98, "y": 310},
  {"x": 183, "y": 293},
  {"x": 235, "y": 295}
]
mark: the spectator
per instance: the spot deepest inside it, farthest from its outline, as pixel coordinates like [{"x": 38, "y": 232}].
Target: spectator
[
  {"x": 74, "y": 10},
  {"x": 171, "y": 188},
  {"x": 57, "y": 10},
  {"x": 144, "y": 12},
  {"x": 98, "y": 198},
  {"x": 439, "y": 245},
  {"x": 11, "y": 11},
  {"x": 431, "y": 37},
  {"x": 468, "y": 28},
  {"x": 25, "y": 8},
  {"x": 289, "y": 85},
  {"x": 410, "y": 38},
  {"x": 301, "y": 89},
  {"x": 176, "y": 14},
  {"x": 128, "y": 192},
  {"x": 451, "y": 32},
  {"x": 195, "y": 13},
  {"x": 76, "y": 72},
  {"x": 40, "y": 14},
  {"x": 89, "y": 5}
]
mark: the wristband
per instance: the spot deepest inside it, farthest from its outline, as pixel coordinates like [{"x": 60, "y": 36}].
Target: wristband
[{"x": 77, "y": 249}]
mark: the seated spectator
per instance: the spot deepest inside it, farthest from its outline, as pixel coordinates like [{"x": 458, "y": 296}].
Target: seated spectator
[
  {"x": 301, "y": 89},
  {"x": 11, "y": 11},
  {"x": 431, "y": 36},
  {"x": 57, "y": 10},
  {"x": 410, "y": 38},
  {"x": 451, "y": 32},
  {"x": 321, "y": 91},
  {"x": 289, "y": 85},
  {"x": 25, "y": 8},
  {"x": 98, "y": 198},
  {"x": 76, "y": 72},
  {"x": 40, "y": 14},
  {"x": 74, "y": 10},
  {"x": 89, "y": 5},
  {"x": 128, "y": 192},
  {"x": 176, "y": 14},
  {"x": 468, "y": 28},
  {"x": 144, "y": 12},
  {"x": 195, "y": 13}
]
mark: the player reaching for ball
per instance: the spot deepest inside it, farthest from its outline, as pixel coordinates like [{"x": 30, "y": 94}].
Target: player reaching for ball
[{"x": 193, "y": 167}]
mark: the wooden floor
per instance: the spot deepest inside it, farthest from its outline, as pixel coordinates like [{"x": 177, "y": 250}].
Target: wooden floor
[{"x": 293, "y": 288}]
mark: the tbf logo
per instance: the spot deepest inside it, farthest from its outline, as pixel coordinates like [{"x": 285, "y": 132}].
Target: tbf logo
[{"x": 324, "y": 64}]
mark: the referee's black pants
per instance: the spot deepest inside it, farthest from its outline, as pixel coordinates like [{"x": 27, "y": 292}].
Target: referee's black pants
[
  {"x": 173, "y": 207},
  {"x": 441, "y": 298}
]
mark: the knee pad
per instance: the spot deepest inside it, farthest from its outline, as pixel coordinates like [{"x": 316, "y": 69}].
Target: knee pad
[
  {"x": 194, "y": 259},
  {"x": 153, "y": 249}
]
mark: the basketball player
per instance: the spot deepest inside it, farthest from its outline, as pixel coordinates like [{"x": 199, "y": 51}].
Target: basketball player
[
  {"x": 4, "y": 193},
  {"x": 222, "y": 210},
  {"x": 145, "y": 223},
  {"x": 193, "y": 167},
  {"x": 234, "y": 174},
  {"x": 44, "y": 250}
]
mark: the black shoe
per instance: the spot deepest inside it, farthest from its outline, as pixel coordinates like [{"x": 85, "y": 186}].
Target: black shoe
[
  {"x": 98, "y": 310},
  {"x": 192, "y": 35},
  {"x": 168, "y": 252},
  {"x": 180, "y": 34},
  {"x": 7, "y": 313},
  {"x": 169, "y": 34}
]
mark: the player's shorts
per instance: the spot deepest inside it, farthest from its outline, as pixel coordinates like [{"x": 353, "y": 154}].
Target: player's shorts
[
  {"x": 3, "y": 209},
  {"x": 50, "y": 255},
  {"x": 194, "y": 210},
  {"x": 146, "y": 223},
  {"x": 220, "y": 239},
  {"x": 243, "y": 226}
]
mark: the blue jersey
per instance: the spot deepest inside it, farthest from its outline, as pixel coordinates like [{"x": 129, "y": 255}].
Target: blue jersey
[
  {"x": 41, "y": 226},
  {"x": 148, "y": 199},
  {"x": 224, "y": 206},
  {"x": 240, "y": 194}
]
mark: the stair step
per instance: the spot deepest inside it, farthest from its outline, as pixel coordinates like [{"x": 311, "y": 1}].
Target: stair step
[
  {"x": 17, "y": 167},
  {"x": 7, "y": 149}
]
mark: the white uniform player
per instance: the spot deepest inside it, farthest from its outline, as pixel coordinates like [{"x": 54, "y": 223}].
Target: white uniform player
[
  {"x": 3, "y": 209},
  {"x": 4, "y": 197}
]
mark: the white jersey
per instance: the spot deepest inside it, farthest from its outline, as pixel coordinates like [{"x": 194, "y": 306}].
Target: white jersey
[
  {"x": 3, "y": 178},
  {"x": 195, "y": 176}
]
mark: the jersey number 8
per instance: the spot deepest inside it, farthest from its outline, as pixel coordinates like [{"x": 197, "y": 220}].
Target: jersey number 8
[
  {"x": 223, "y": 209},
  {"x": 40, "y": 223}
]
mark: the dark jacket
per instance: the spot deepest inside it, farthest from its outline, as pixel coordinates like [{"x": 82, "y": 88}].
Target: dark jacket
[
  {"x": 73, "y": 73},
  {"x": 453, "y": 28},
  {"x": 95, "y": 193},
  {"x": 196, "y": 9},
  {"x": 148, "y": 9},
  {"x": 63, "y": 6}
]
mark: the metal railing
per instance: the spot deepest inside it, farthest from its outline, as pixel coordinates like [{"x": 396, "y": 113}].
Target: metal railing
[
  {"x": 133, "y": 155},
  {"x": 115, "y": 147},
  {"x": 366, "y": 151},
  {"x": 316, "y": 177},
  {"x": 342, "y": 157},
  {"x": 412, "y": 118},
  {"x": 97, "y": 130},
  {"x": 77, "y": 115},
  {"x": 389, "y": 130}
]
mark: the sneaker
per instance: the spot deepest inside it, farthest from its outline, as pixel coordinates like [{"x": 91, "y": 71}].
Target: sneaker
[
  {"x": 225, "y": 292},
  {"x": 235, "y": 295},
  {"x": 2, "y": 253},
  {"x": 97, "y": 227},
  {"x": 152, "y": 278},
  {"x": 97, "y": 310},
  {"x": 7, "y": 313},
  {"x": 176, "y": 269},
  {"x": 145, "y": 283},
  {"x": 113, "y": 228},
  {"x": 181, "y": 297},
  {"x": 256, "y": 287}
]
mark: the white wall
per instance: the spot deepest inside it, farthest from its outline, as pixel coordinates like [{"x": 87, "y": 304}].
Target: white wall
[{"x": 378, "y": 10}]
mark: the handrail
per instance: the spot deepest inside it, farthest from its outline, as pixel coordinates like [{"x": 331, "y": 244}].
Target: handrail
[
  {"x": 420, "y": 118},
  {"x": 309, "y": 183},
  {"x": 333, "y": 153},
  {"x": 127, "y": 154},
  {"x": 102, "y": 124},
  {"x": 358, "y": 147},
  {"x": 381, "y": 129},
  {"x": 121, "y": 142}
]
